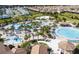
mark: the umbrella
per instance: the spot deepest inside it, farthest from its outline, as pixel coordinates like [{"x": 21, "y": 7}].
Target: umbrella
[{"x": 66, "y": 46}]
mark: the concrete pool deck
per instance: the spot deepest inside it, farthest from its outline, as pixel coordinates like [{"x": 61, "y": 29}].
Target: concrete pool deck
[{"x": 54, "y": 44}]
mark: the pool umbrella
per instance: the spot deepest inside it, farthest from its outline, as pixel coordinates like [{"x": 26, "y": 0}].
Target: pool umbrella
[
  {"x": 4, "y": 49},
  {"x": 67, "y": 46},
  {"x": 20, "y": 51},
  {"x": 9, "y": 52},
  {"x": 39, "y": 49}
]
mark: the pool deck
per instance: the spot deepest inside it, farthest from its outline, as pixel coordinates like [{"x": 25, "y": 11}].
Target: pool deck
[{"x": 54, "y": 44}]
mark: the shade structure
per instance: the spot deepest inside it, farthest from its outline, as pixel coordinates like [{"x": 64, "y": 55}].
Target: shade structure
[
  {"x": 66, "y": 46},
  {"x": 39, "y": 49},
  {"x": 20, "y": 51},
  {"x": 4, "y": 50}
]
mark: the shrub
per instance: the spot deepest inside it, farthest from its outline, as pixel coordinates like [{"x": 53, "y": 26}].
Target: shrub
[
  {"x": 1, "y": 40},
  {"x": 26, "y": 44}
]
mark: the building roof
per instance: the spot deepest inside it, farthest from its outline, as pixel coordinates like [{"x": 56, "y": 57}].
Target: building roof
[
  {"x": 66, "y": 45},
  {"x": 66, "y": 24},
  {"x": 39, "y": 49},
  {"x": 20, "y": 51},
  {"x": 4, "y": 50},
  {"x": 8, "y": 52}
]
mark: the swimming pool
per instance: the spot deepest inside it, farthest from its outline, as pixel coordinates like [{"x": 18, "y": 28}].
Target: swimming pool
[
  {"x": 68, "y": 32},
  {"x": 16, "y": 26},
  {"x": 13, "y": 39}
]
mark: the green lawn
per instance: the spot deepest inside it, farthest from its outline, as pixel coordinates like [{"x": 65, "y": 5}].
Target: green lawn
[
  {"x": 29, "y": 43},
  {"x": 71, "y": 17}
]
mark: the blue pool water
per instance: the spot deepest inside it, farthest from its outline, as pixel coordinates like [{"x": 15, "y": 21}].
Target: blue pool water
[
  {"x": 68, "y": 32},
  {"x": 16, "y": 26},
  {"x": 4, "y": 16},
  {"x": 13, "y": 39}
]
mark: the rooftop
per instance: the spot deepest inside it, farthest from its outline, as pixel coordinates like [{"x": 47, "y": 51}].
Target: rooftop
[{"x": 39, "y": 49}]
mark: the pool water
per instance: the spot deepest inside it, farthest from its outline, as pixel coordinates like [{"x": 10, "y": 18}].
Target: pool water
[
  {"x": 16, "y": 26},
  {"x": 68, "y": 32},
  {"x": 13, "y": 39}
]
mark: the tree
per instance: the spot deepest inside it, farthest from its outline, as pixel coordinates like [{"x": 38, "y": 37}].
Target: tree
[
  {"x": 28, "y": 26},
  {"x": 54, "y": 26},
  {"x": 11, "y": 46},
  {"x": 0, "y": 35},
  {"x": 56, "y": 15},
  {"x": 39, "y": 33},
  {"x": 64, "y": 19},
  {"x": 21, "y": 27},
  {"x": 1, "y": 40},
  {"x": 45, "y": 29},
  {"x": 77, "y": 25},
  {"x": 76, "y": 50},
  {"x": 49, "y": 50},
  {"x": 25, "y": 44},
  {"x": 12, "y": 28},
  {"x": 27, "y": 36}
]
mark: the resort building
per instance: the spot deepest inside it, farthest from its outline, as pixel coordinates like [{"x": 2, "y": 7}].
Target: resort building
[
  {"x": 20, "y": 51},
  {"x": 67, "y": 47},
  {"x": 39, "y": 49},
  {"x": 55, "y": 8},
  {"x": 5, "y": 49}
]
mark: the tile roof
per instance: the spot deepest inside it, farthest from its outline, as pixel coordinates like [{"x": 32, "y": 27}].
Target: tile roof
[{"x": 39, "y": 49}]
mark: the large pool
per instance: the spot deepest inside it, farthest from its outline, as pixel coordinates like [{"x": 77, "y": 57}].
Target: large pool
[{"x": 68, "y": 32}]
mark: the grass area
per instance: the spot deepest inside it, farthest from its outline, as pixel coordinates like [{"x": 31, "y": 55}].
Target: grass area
[
  {"x": 6, "y": 20},
  {"x": 43, "y": 43},
  {"x": 31, "y": 16},
  {"x": 26, "y": 44},
  {"x": 30, "y": 43},
  {"x": 71, "y": 17},
  {"x": 67, "y": 16},
  {"x": 77, "y": 46},
  {"x": 1, "y": 40}
]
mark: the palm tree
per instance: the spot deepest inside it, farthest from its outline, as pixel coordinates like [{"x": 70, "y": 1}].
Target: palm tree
[
  {"x": 27, "y": 36},
  {"x": 21, "y": 27},
  {"x": 1, "y": 40},
  {"x": 77, "y": 25},
  {"x": 11, "y": 46},
  {"x": 12, "y": 28},
  {"x": 49, "y": 50},
  {"x": 24, "y": 26},
  {"x": 0, "y": 35},
  {"x": 34, "y": 23},
  {"x": 64, "y": 19},
  {"x": 54, "y": 26},
  {"x": 39, "y": 33},
  {"x": 45, "y": 29},
  {"x": 28, "y": 26},
  {"x": 56, "y": 15},
  {"x": 76, "y": 50},
  {"x": 6, "y": 22}
]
